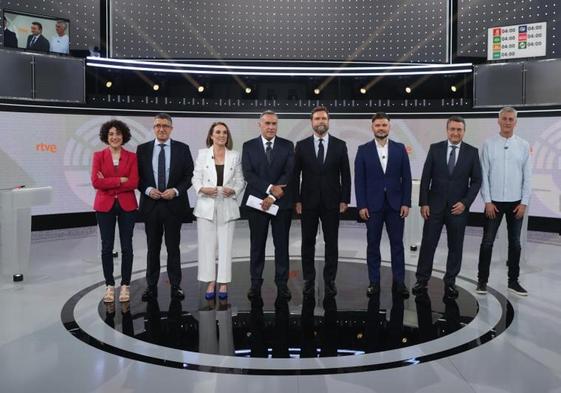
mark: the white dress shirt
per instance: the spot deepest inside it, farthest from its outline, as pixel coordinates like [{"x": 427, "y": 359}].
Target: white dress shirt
[
  {"x": 60, "y": 44},
  {"x": 325, "y": 138},
  {"x": 449, "y": 150},
  {"x": 382, "y": 154}
]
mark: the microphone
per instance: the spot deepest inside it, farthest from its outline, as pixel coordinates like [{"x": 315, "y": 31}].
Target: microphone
[{"x": 506, "y": 147}]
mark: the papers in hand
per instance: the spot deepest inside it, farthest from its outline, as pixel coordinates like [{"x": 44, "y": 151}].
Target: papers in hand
[{"x": 254, "y": 202}]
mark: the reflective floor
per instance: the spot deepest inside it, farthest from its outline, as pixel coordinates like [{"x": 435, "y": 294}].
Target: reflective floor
[{"x": 56, "y": 329}]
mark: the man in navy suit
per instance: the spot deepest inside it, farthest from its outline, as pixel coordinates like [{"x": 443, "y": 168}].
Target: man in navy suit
[
  {"x": 324, "y": 193},
  {"x": 268, "y": 164},
  {"x": 450, "y": 182},
  {"x": 36, "y": 41},
  {"x": 165, "y": 170},
  {"x": 383, "y": 196},
  {"x": 10, "y": 38}
]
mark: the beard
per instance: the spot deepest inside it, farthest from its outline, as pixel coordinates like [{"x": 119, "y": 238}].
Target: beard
[
  {"x": 380, "y": 136},
  {"x": 321, "y": 129}
]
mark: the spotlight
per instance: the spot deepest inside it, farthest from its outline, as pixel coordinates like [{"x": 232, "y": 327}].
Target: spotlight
[
  {"x": 453, "y": 88},
  {"x": 201, "y": 88},
  {"x": 108, "y": 84},
  {"x": 362, "y": 90},
  {"x": 408, "y": 90},
  {"x": 248, "y": 90},
  {"x": 156, "y": 87},
  {"x": 317, "y": 91}
]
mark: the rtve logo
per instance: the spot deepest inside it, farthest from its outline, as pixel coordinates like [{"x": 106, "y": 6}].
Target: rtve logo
[{"x": 44, "y": 147}]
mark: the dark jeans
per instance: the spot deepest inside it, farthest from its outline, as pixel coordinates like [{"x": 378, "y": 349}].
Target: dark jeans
[
  {"x": 514, "y": 226},
  {"x": 106, "y": 222}
]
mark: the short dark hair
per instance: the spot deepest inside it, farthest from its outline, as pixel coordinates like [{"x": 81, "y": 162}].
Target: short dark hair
[
  {"x": 380, "y": 115},
  {"x": 121, "y": 127},
  {"x": 164, "y": 116},
  {"x": 38, "y": 24},
  {"x": 319, "y": 108},
  {"x": 229, "y": 142},
  {"x": 456, "y": 118}
]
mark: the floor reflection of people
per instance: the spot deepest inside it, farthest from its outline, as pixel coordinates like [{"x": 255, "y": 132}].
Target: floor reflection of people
[
  {"x": 280, "y": 334},
  {"x": 427, "y": 330},
  {"x": 126, "y": 318},
  {"x": 395, "y": 324},
  {"x": 329, "y": 332},
  {"x": 374, "y": 322},
  {"x": 165, "y": 331},
  {"x": 216, "y": 335},
  {"x": 451, "y": 315},
  {"x": 308, "y": 344},
  {"x": 257, "y": 346}
]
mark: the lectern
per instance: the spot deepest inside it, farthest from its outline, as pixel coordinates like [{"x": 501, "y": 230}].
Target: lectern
[{"x": 15, "y": 227}]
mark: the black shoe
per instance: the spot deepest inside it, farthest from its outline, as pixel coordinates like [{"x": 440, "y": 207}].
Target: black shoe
[
  {"x": 450, "y": 291},
  {"x": 373, "y": 289},
  {"x": 254, "y": 294},
  {"x": 481, "y": 288},
  {"x": 309, "y": 289},
  {"x": 330, "y": 289},
  {"x": 515, "y": 287},
  {"x": 149, "y": 294},
  {"x": 419, "y": 288},
  {"x": 177, "y": 293},
  {"x": 283, "y": 293},
  {"x": 400, "y": 289}
]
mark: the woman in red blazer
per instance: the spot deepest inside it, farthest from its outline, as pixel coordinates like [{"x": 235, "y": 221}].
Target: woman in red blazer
[{"x": 115, "y": 177}]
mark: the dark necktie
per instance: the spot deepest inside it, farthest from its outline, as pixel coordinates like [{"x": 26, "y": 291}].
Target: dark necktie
[
  {"x": 33, "y": 41},
  {"x": 162, "y": 168},
  {"x": 452, "y": 159},
  {"x": 320, "y": 151},
  {"x": 269, "y": 152}
]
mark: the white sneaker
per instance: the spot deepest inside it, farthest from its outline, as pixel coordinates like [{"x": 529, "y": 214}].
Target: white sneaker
[
  {"x": 109, "y": 296},
  {"x": 124, "y": 294}
]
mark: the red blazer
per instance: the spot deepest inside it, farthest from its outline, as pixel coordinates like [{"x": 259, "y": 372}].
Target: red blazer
[{"x": 110, "y": 188}]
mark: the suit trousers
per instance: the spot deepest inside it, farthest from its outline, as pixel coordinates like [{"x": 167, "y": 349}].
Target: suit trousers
[
  {"x": 213, "y": 234},
  {"x": 432, "y": 229},
  {"x": 330, "y": 225},
  {"x": 162, "y": 222},
  {"x": 259, "y": 229},
  {"x": 394, "y": 227}
]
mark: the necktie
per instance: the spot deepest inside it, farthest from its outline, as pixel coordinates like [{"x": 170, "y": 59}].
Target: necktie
[
  {"x": 34, "y": 40},
  {"x": 320, "y": 151},
  {"x": 269, "y": 152},
  {"x": 452, "y": 159},
  {"x": 162, "y": 168}
]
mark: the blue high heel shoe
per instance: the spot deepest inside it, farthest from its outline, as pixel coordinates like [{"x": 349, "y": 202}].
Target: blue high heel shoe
[
  {"x": 210, "y": 295},
  {"x": 222, "y": 295}
]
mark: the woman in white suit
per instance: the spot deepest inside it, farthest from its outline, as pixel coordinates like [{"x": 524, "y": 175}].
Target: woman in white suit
[{"x": 219, "y": 183}]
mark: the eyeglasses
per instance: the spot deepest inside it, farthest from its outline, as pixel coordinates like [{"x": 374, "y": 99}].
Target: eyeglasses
[{"x": 164, "y": 126}]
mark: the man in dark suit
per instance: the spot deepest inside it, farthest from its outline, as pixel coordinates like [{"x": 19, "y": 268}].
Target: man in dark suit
[
  {"x": 383, "y": 196},
  {"x": 36, "y": 41},
  {"x": 324, "y": 193},
  {"x": 268, "y": 164},
  {"x": 165, "y": 169},
  {"x": 10, "y": 38},
  {"x": 449, "y": 184}
]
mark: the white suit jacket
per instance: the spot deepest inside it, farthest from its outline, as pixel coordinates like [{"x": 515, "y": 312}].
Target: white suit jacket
[{"x": 204, "y": 175}]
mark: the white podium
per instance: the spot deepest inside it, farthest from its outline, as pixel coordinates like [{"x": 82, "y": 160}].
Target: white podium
[
  {"x": 414, "y": 222},
  {"x": 15, "y": 226}
]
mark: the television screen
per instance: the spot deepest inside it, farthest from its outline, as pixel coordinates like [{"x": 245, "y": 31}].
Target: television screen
[{"x": 36, "y": 33}]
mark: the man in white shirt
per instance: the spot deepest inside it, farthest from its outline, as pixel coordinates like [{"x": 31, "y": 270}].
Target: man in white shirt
[{"x": 60, "y": 43}]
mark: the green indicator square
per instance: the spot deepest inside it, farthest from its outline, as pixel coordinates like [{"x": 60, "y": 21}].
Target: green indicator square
[
  {"x": 496, "y": 55},
  {"x": 496, "y": 40},
  {"x": 522, "y": 45}
]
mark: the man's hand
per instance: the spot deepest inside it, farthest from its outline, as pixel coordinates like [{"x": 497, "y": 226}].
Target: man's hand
[
  {"x": 298, "y": 207},
  {"x": 100, "y": 175},
  {"x": 209, "y": 191},
  {"x": 155, "y": 193},
  {"x": 491, "y": 210},
  {"x": 168, "y": 194},
  {"x": 343, "y": 207},
  {"x": 227, "y": 192},
  {"x": 277, "y": 190},
  {"x": 458, "y": 208},
  {"x": 267, "y": 202},
  {"x": 124, "y": 179},
  {"x": 364, "y": 214},
  {"x": 425, "y": 212},
  {"x": 404, "y": 211},
  {"x": 519, "y": 211}
]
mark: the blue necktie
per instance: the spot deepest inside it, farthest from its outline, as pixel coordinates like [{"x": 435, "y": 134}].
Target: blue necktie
[{"x": 162, "y": 168}]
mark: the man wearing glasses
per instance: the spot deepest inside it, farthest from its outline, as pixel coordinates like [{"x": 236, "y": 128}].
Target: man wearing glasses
[{"x": 165, "y": 169}]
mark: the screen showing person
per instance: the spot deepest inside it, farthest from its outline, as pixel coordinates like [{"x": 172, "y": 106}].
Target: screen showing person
[{"x": 36, "y": 32}]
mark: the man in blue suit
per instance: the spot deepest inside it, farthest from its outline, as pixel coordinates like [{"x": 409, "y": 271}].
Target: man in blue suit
[
  {"x": 383, "y": 196},
  {"x": 268, "y": 163}
]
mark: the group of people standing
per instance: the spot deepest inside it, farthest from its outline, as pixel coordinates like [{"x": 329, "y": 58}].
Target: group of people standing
[{"x": 313, "y": 179}]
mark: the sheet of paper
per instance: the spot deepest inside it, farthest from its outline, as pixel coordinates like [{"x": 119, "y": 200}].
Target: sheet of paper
[{"x": 254, "y": 202}]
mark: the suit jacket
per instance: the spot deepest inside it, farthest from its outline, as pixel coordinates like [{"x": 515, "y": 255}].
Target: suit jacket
[
  {"x": 180, "y": 175},
  {"x": 326, "y": 184},
  {"x": 110, "y": 187},
  {"x": 10, "y": 39},
  {"x": 42, "y": 44},
  {"x": 259, "y": 174},
  {"x": 440, "y": 190},
  {"x": 371, "y": 182},
  {"x": 205, "y": 176}
]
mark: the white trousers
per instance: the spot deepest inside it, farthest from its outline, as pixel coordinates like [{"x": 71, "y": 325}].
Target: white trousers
[{"x": 212, "y": 235}]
